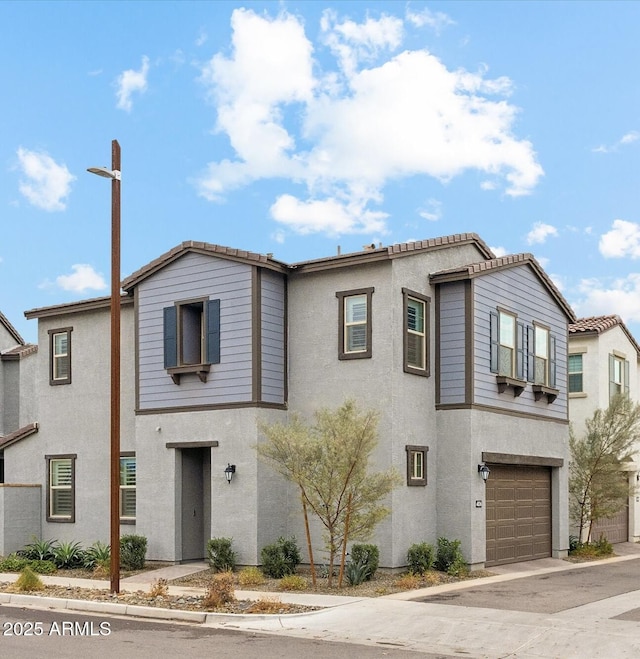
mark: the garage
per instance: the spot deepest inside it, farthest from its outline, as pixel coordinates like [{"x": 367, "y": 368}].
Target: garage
[
  {"x": 614, "y": 529},
  {"x": 518, "y": 507}
]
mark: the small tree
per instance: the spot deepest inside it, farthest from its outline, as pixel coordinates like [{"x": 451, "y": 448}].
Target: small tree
[
  {"x": 329, "y": 463},
  {"x": 597, "y": 489}
]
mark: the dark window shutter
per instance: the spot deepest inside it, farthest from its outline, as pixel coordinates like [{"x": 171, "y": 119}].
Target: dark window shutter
[
  {"x": 520, "y": 350},
  {"x": 213, "y": 332},
  {"x": 170, "y": 318},
  {"x": 493, "y": 327},
  {"x": 552, "y": 361},
  {"x": 531, "y": 353}
]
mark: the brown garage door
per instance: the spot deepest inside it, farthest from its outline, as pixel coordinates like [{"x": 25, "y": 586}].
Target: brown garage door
[
  {"x": 615, "y": 529},
  {"x": 518, "y": 514}
]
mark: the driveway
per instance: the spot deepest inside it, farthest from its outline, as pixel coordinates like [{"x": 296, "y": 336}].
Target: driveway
[{"x": 552, "y": 592}]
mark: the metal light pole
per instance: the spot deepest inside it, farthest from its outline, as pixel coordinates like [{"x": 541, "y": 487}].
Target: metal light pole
[{"x": 114, "y": 175}]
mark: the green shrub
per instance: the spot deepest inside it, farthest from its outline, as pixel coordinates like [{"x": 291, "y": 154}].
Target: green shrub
[
  {"x": 250, "y": 576},
  {"x": 369, "y": 554},
  {"x": 449, "y": 557},
  {"x": 603, "y": 546},
  {"x": 38, "y": 550},
  {"x": 43, "y": 567},
  {"x": 96, "y": 555},
  {"x": 13, "y": 563},
  {"x": 221, "y": 557},
  {"x": 133, "y": 551},
  {"x": 280, "y": 558},
  {"x": 68, "y": 555},
  {"x": 29, "y": 580},
  {"x": 420, "y": 557}
]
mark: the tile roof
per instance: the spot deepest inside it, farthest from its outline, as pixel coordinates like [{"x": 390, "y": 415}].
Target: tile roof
[
  {"x": 599, "y": 324},
  {"x": 19, "y": 351},
  {"x": 479, "y": 268}
]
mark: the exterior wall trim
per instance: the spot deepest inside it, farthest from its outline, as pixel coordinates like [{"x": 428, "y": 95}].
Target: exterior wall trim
[
  {"x": 444, "y": 407},
  {"x": 213, "y": 406},
  {"x": 515, "y": 459},
  {"x": 256, "y": 334},
  {"x": 210, "y": 444}
]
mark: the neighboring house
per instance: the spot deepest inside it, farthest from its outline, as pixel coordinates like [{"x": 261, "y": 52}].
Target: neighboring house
[
  {"x": 463, "y": 354},
  {"x": 17, "y": 421},
  {"x": 603, "y": 361}
]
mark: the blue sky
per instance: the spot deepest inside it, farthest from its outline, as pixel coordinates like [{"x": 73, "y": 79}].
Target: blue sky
[{"x": 295, "y": 127}]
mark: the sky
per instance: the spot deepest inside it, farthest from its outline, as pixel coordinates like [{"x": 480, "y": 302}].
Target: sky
[{"x": 295, "y": 128}]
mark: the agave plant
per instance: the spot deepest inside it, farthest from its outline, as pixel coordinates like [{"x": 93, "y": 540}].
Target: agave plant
[
  {"x": 98, "y": 554},
  {"x": 68, "y": 555},
  {"x": 39, "y": 550}
]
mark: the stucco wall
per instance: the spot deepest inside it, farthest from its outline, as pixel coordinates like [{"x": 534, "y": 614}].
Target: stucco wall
[{"x": 20, "y": 510}]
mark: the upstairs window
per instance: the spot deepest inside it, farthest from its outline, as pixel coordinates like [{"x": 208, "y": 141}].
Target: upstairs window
[
  {"x": 60, "y": 356},
  {"x": 618, "y": 376},
  {"x": 507, "y": 341},
  {"x": 192, "y": 333},
  {"x": 541, "y": 373},
  {"x": 575, "y": 374},
  {"x": 355, "y": 324},
  {"x": 416, "y": 323},
  {"x": 507, "y": 338}
]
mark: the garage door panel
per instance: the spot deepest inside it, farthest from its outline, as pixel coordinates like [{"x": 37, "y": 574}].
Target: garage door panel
[{"x": 518, "y": 514}]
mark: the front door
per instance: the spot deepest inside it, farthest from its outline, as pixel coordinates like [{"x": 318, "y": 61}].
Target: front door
[{"x": 196, "y": 478}]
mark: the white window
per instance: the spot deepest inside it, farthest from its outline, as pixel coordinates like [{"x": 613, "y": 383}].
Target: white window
[
  {"x": 415, "y": 339},
  {"x": 507, "y": 344},
  {"x": 618, "y": 376},
  {"x": 541, "y": 375},
  {"x": 575, "y": 374},
  {"x": 61, "y": 477},
  {"x": 128, "y": 488},
  {"x": 60, "y": 356},
  {"x": 355, "y": 323},
  {"x": 416, "y": 465}
]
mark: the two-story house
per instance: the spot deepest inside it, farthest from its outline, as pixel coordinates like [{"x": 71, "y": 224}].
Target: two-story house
[
  {"x": 604, "y": 360},
  {"x": 463, "y": 354}
]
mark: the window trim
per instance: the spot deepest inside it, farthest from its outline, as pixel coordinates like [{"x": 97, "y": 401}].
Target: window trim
[
  {"x": 342, "y": 334},
  {"x": 407, "y": 295},
  {"x": 624, "y": 374},
  {"x": 127, "y": 455},
  {"x": 63, "y": 519},
  {"x": 570, "y": 373},
  {"x": 546, "y": 382},
  {"x": 53, "y": 381},
  {"x": 411, "y": 450}
]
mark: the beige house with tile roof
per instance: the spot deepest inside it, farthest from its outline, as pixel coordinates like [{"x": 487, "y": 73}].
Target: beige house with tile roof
[{"x": 604, "y": 359}]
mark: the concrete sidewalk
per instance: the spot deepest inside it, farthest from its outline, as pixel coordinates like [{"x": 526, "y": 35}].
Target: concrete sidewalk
[{"x": 580, "y": 632}]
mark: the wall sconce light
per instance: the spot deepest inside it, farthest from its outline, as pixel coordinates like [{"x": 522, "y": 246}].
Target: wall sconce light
[
  {"x": 484, "y": 471},
  {"x": 229, "y": 471}
]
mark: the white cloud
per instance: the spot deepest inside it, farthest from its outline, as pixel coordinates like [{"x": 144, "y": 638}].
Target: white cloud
[
  {"x": 432, "y": 210},
  {"x": 344, "y": 134},
  {"x": 47, "y": 184},
  {"x": 435, "y": 20},
  {"x": 499, "y": 251},
  {"x": 620, "y": 296},
  {"x": 83, "y": 278},
  {"x": 540, "y": 233},
  {"x": 623, "y": 240},
  {"x": 543, "y": 261},
  {"x": 627, "y": 138},
  {"x": 130, "y": 82}
]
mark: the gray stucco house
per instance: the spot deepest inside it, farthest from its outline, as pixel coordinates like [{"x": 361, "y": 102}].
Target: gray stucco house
[{"x": 463, "y": 354}]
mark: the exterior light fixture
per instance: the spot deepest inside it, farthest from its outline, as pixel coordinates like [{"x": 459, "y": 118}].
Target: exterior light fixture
[
  {"x": 229, "y": 471},
  {"x": 114, "y": 433},
  {"x": 484, "y": 471}
]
